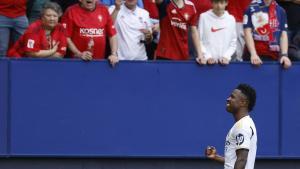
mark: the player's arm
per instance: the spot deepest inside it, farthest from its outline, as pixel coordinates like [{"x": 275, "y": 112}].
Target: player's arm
[
  {"x": 211, "y": 153},
  {"x": 241, "y": 158}
]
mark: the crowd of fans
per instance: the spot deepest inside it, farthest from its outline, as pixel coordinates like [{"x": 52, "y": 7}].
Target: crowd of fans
[{"x": 209, "y": 31}]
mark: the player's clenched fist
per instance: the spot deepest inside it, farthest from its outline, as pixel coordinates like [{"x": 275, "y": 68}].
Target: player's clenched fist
[{"x": 210, "y": 152}]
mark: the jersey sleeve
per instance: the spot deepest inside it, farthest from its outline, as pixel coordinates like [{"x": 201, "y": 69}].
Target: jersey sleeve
[
  {"x": 283, "y": 22},
  {"x": 247, "y": 20},
  {"x": 30, "y": 42},
  {"x": 67, "y": 23},
  {"x": 194, "y": 18},
  {"x": 243, "y": 138},
  {"x": 110, "y": 27}
]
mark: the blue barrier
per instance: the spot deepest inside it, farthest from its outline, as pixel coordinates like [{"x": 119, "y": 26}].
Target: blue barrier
[
  {"x": 141, "y": 109},
  {"x": 4, "y": 101},
  {"x": 291, "y": 112}
]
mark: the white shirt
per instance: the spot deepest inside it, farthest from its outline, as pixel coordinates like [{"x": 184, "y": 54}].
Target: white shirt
[
  {"x": 241, "y": 136},
  {"x": 128, "y": 24},
  {"x": 217, "y": 35}
]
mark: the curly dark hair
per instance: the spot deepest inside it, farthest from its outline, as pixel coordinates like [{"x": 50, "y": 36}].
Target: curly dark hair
[{"x": 250, "y": 93}]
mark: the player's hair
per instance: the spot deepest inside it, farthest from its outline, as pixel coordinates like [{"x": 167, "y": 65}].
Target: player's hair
[
  {"x": 52, "y": 5},
  {"x": 216, "y": 1},
  {"x": 250, "y": 93}
]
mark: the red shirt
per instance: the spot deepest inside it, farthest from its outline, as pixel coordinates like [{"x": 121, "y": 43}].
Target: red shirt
[
  {"x": 202, "y": 6},
  {"x": 151, "y": 7},
  {"x": 262, "y": 49},
  {"x": 174, "y": 24},
  {"x": 12, "y": 8},
  {"x": 82, "y": 25},
  {"x": 34, "y": 39},
  {"x": 237, "y": 8}
]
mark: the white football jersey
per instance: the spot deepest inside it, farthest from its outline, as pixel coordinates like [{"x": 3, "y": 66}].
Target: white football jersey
[{"x": 241, "y": 136}]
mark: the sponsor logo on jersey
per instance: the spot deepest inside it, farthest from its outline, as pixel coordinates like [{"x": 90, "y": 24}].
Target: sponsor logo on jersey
[
  {"x": 30, "y": 43},
  {"x": 180, "y": 25},
  {"x": 227, "y": 144},
  {"x": 239, "y": 139},
  {"x": 92, "y": 32}
]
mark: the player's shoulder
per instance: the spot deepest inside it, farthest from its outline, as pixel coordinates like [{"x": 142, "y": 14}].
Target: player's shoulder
[{"x": 245, "y": 123}]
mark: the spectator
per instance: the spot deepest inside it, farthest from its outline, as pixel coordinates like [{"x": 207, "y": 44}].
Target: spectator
[
  {"x": 175, "y": 19},
  {"x": 201, "y": 7},
  {"x": 133, "y": 28},
  {"x": 43, "y": 38},
  {"x": 88, "y": 24},
  {"x": 292, "y": 9},
  {"x": 13, "y": 22},
  {"x": 34, "y": 8},
  {"x": 151, "y": 7},
  {"x": 109, "y": 3},
  {"x": 265, "y": 28},
  {"x": 217, "y": 31},
  {"x": 237, "y": 9}
]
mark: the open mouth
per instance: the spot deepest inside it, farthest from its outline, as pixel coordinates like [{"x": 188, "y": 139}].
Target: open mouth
[
  {"x": 89, "y": 2},
  {"x": 227, "y": 104}
]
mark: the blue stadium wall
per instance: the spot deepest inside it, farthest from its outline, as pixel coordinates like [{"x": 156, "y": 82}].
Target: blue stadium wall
[{"x": 140, "y": 110}]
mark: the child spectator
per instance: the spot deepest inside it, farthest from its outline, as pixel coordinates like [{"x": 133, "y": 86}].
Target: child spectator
[
  {"x": 176, "y": 17},
  {"x": 265, "y": 28},
  {"x": 217, "y": 31}
]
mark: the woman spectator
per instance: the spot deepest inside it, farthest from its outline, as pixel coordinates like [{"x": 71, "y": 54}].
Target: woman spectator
[{"x": 44, "y": 38}]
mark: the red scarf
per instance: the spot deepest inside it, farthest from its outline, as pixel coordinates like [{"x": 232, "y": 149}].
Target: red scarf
[{"x": 273, "y": 21}]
